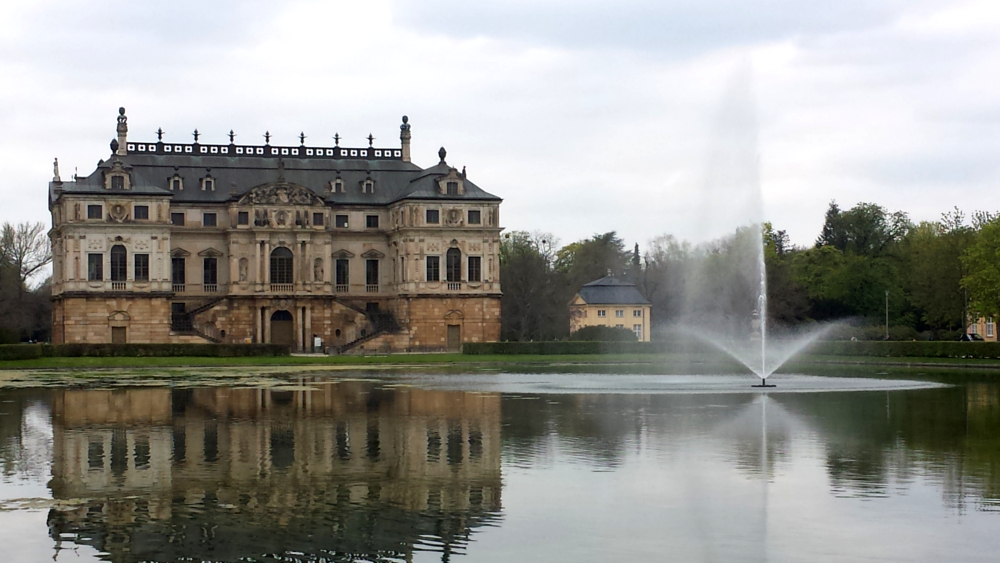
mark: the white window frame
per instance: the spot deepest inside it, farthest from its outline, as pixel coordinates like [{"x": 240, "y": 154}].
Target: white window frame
[
  {"x": 601, "y": 313},
  {"x": 989, "y": 327}
]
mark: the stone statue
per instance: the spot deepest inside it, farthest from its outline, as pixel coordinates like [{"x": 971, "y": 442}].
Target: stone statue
[
  {"x": 244, "y": 266},
  {"x": 318, "y": 270}
]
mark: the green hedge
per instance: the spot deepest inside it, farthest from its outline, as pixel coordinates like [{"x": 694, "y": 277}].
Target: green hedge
[
  {"x": 33, "y": 351},
  {"x": 891, "y": 349}
]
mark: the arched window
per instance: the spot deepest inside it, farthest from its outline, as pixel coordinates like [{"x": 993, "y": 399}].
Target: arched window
[
  {"x": 119, "y": 263},
  {"x": 454, "y": 264},
  {"x": 281, "y": 265}
]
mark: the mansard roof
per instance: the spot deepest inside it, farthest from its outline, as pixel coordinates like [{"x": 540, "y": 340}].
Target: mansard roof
[
  {"x": 238, "y": 169},
  {"x": 609, "y": 290}
]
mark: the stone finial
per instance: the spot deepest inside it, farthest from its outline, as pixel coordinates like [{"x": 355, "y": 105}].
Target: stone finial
[
  {"x": 232, "y": 137},
  {"x": 371, "y": 140},
  {"x": 159, "y": 133},
  {"x": 55, "y": 171},
  {"x": 336, "y": 139},
  {"x": 196, "y": 134},
  {"x": 442, "y": 153},
  {"x": 267, "y": 137},
  {"x": 122, "y": 128},
  {"x": 404, "y": 138},
  {"x": 114, "y": 145},
  {"x": 302, "y": 138}
]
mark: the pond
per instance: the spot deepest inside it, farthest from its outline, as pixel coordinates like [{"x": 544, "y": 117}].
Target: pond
[{"x": 494, "y": 466}]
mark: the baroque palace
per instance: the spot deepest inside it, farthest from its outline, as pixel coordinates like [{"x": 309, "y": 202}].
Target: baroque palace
[{"x": 298, "y": 245}]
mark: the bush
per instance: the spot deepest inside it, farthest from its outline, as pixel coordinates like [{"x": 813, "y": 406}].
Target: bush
[
  {"x": 33, "y": 351},
  {"x": 603, "y": 334}
]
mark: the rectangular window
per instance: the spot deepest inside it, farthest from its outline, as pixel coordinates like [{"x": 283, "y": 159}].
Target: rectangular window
[
  {"x": 974, "y": 328},
  {"x": 619, "y": 326},
  {"x": 475, "y": 268},
  {"x": 95, "y": 212},
  {"x": 95, "y": 267},
  {"x": 141, "y": 211},
  {"x": 175, "y": 184},
  {"x": 343, "y": 271},
  {"x": 210, "y": 267},
  {"x": 341, "y": 222},
  {"x": 433, "y": 268},
  {"x": 243, "y": 218},
  {"x": 989, "y": 327},
  {"x": 371, "y": 272},
  {"x": 177, "y": 219},
  {"x": 209, "y": 185},
  {"x": 637, "y": 329},
  {"x": 637, "y": 313},
  {"x": 602, "y": 313},
  {"x": 620, "y": 313},
  {"x": 475, "y": 217},
  {"x": 177, "y": 273},
  {"x": 452, "y": 188},
  {"x": 141, "y": 267},
  {"x": 318, "y": 219},
  {"x": 117, "y": 183},
  {"x": 208, "y": 219},
  {"x": 433, "y": 217},
  {"x": 371, "y": 221}
]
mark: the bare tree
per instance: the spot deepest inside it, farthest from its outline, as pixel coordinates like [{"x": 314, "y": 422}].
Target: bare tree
[{"x": 25, "y": 248}]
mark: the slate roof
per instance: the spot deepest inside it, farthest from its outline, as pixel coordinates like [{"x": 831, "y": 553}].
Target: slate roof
[
  {"x": 395, "y": 180},
  {"x": 611, "y": 291}
]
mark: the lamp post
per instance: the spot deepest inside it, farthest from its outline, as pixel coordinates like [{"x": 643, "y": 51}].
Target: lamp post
[{"x": 887, "y": 314}]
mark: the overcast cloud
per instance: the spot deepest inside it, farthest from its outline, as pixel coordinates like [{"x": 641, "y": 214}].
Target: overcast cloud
[{"x": 584, "y": 116}]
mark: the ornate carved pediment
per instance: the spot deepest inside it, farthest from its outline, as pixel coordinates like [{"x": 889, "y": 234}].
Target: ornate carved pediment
[
  {"x": 343, "y": 254},
  {"x": 281, "y": 193},
  {"x": 211, "y": 252},
  {"x": 179, "y": 253},
  {"x": 454, "y": 315},
  {"x": 373, "y": 255}
]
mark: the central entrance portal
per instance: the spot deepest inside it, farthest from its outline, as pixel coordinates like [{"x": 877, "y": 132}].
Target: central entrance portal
[{"x": 282, "y": 328}]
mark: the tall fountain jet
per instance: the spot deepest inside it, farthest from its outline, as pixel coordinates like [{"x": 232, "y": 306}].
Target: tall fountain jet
[{"x": 726, "y": 303}]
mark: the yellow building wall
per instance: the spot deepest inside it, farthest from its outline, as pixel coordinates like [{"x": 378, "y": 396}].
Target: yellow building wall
[{"x": 582, "y": 315}]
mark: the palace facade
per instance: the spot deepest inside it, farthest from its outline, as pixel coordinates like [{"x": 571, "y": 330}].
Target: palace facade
[{"x": 358, "y": 248}]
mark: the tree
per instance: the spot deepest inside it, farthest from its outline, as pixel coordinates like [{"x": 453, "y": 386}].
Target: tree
[
  {"x": 534, "y": 304},
  {"x": 982, "y": 264},
  {"x": 25, "y": 313},
  {"x": 591, "y": 259},
  {"x": 933, "y": 268},
  {"x": 25, "y": 247},
  {"x": 866, "y": 229}
]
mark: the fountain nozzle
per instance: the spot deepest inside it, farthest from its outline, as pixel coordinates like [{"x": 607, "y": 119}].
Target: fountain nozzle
[{"x": 763, "y": 383}]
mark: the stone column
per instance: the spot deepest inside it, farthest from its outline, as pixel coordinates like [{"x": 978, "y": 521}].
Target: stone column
[
  {"x": 258, "y": 336},
  {"x": 298, "y": 328},
  {"x": 256, "y": 277},
  {"x": 267, "y": 324},
  {"x": 266, "y": 260},
  {"x": 308, "y": 328}
]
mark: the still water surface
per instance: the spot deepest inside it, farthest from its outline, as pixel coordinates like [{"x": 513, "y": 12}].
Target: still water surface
[{"x": 503, "y": 467}]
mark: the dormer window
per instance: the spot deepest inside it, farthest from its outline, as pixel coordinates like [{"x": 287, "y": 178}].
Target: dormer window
[
  {"x": 176, "y": 183},
  {"x": 207, "y": 184},
  {"x": 452, "y": 184},
  {"x": 117, "y": 182},
  {"x": 337, "y": 186},
  {"x": 368, "y": 186}
]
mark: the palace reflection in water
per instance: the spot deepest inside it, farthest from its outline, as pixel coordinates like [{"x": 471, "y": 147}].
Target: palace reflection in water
[
  {"x": 369, "y": 470},
  {"x": 323, "y": 470}
]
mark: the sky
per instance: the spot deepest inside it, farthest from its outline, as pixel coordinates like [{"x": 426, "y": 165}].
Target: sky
[{"x": 647, "y": 117}]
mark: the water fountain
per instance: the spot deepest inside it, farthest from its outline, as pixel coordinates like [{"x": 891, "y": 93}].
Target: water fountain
[{"x": 726, "y": 304}]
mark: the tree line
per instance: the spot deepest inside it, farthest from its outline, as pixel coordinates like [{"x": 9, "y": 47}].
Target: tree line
[
  {"x": 25, "y": 309},
  {"x": 936, "y": 273}
]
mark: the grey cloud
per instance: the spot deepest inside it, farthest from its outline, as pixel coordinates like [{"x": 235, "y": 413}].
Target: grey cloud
[{"x": 675, "y": 27}]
